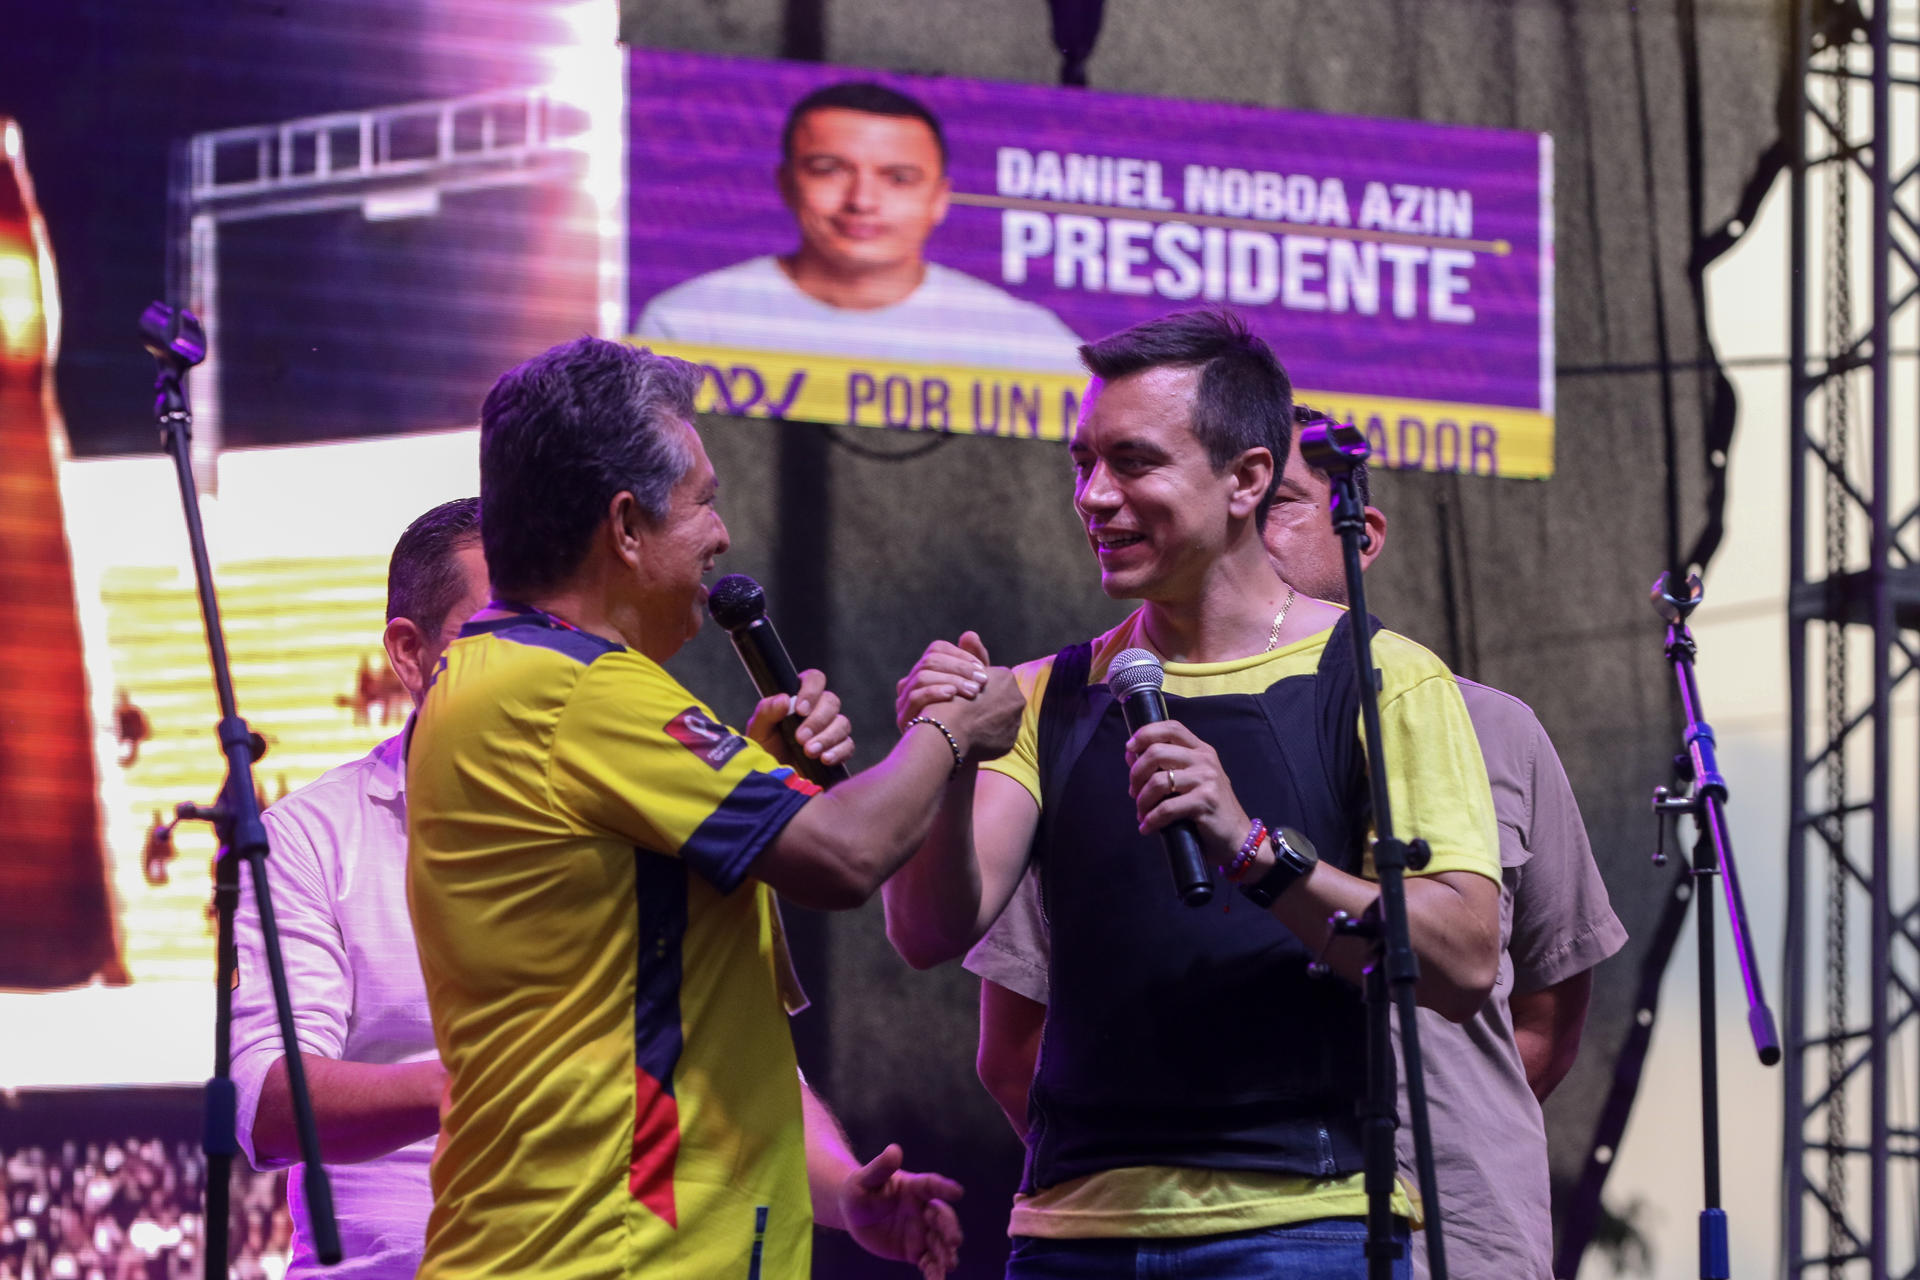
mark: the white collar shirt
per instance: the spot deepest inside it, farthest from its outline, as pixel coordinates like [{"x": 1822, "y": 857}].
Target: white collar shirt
[{"x": 338, "y": 873}]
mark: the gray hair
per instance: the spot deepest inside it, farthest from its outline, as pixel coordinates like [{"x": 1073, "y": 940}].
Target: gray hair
[{"x": 564, "y": 432}]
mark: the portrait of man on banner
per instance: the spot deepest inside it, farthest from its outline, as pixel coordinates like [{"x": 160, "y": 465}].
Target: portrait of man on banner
[{"x": 863, "y": 171}]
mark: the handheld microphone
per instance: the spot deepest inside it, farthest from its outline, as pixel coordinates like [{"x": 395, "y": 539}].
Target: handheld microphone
[
  {"x": 739, "y": 605},
  {"x": 1135, "y": 678}
]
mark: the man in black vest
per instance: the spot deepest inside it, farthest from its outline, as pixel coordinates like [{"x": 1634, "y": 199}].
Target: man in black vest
[
  {"x": 1486, "y": 1078},
  {"x": 1194, "y": 1107}
]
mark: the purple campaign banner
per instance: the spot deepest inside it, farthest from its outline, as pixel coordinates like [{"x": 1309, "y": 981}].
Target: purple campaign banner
[{"x": 1402, "y": 271}]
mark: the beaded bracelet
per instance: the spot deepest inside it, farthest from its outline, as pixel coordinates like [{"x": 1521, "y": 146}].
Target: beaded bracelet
[
  {"x": 959, "y": 757},
  {"x": 1249, "y": 849}
]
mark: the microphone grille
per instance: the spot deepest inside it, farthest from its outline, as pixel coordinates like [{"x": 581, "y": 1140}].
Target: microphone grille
[
  {"x": 1134, "y": 670},
  {"x": 736, "y": 601}
]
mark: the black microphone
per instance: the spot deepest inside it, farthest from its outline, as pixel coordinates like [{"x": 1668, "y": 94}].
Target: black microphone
[
  {"x": 1135, "y": 678},
  {"x": 739, "y": 605}
]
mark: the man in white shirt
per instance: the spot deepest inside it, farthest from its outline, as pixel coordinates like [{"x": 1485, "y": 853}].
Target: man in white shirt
[
  {"x": 864, "y": 171},
  {"x": 338, "y": 871}
]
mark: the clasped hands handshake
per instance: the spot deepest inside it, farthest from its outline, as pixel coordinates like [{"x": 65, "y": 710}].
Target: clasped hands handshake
[
  {"x": 1172, "y": 774},
  {"x": 979, "y": 705}
]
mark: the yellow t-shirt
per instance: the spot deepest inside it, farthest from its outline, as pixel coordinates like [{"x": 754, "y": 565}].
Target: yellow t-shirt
[
  {"x": 1437, "y": 784},
  {"x": 605, "y": 983}
]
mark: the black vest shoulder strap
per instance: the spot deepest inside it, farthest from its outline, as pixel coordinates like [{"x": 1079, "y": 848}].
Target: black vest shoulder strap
[
  {"x": 1337, "y": 705},
  {"x": 1337, "y": 657},
  {"x": 1064, "y": 724}
]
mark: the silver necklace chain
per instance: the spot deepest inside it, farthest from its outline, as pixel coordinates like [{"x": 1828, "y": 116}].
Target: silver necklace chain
[{"x": 1279, "y": 620}]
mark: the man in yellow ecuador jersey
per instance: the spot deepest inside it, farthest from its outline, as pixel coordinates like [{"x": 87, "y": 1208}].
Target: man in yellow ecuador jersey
[{"x": 592, "y": 863}]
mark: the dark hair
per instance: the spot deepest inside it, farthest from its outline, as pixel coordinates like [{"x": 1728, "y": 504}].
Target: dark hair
[
  {"x": 560, "y": 435},
  {"x": 862, "y": 95},
  {"x": 1244, "y": 400},
  {"x": 1305, "y": 415},
  {"x": 423, "y": 580}
]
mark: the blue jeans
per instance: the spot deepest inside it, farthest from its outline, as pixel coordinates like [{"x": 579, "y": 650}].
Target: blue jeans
[{"x": 1329, "y": 1249}]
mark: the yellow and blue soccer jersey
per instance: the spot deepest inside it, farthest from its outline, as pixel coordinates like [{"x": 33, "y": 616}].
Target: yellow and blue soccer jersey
[{"x": 606, "y": 991}]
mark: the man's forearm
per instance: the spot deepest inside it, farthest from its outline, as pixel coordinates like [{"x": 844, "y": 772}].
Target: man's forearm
[
  {"x": 1547, "y": 1025},
  {"x": 1453, "y": 920},
  {"x": 362, "y": 1110},
  {"x": 830, "y": 1159},
  {"x": 1010, "y": 1029},
  {"x": 890, "y": 829},
  {"x": 844, "y": 844},
  {"x": 933, "y": 902}
]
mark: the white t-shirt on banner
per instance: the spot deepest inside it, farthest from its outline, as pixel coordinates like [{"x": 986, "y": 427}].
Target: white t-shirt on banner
[{"x": 951, "y": 321}]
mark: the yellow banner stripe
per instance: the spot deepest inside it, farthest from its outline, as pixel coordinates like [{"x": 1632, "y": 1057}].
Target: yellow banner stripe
[{"x": 1429, "y": 435}]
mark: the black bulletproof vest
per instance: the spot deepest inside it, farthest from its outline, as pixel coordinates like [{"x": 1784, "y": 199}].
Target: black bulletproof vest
[{"x": 1193, "y": 1036}]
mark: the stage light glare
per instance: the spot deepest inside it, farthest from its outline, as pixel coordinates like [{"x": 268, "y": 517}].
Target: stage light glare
[
  {"x": 22, "y": 323},
  {"x": 587, "y": 71}
]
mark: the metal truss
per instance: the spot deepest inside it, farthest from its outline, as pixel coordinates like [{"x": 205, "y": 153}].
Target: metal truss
[
  {"x": 1851, "y": 1196},
  {"x": 388, "y": 162}
]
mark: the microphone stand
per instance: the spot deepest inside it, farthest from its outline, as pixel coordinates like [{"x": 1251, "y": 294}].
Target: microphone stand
[
  {"x": 1701, "y": 794},
  {"x": 1336, "y": 450},
  {"x": 177, "y": 342}
]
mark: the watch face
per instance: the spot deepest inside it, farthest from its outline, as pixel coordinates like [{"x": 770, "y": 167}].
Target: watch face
[{"x": 1294, "y": 849}]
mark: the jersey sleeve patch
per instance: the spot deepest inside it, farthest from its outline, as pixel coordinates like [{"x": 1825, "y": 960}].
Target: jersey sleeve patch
[{"x": 709, "y": 740}]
